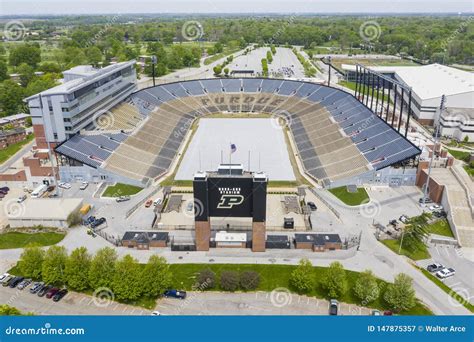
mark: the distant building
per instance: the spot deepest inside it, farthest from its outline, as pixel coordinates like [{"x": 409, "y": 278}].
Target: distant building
[
  {"x": 318, "y": 242},
  {"x": 457, "y": 123},
  {"x": 62, "y": 111},
  {"x": 428, "y": 83},
  {"x": 11, "y": 136},
  {"x": 17, "y": 120}
]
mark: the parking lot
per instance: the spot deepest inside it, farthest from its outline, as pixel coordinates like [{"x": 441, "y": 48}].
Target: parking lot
[
  {"x": 279, "y": 302},
  {"x": 72, "y": 304},
  {"x": 462, "y": 282}
]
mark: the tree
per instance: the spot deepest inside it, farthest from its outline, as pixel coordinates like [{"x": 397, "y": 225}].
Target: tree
[
  {"x": 229, "y": 280},
  {"x": 157, "y": 276},
  {"x": 77, "y": 269},
  {"x": 302, "y": 277},
  {"x": 366, "y": 287},
  {"x": 206, "y": 279},
  {"x": 31, "y": 262},
  {"x": 26, "y": 72},
  {"x": 226, "y": 71},
  {"x": 335, "y": 282},
  {"x": 54, "y": 265},
  {"x": 415, "y": 231},
  {"x": 94, "y": 55},
  {"x": 127, "y": 283},
  {"x": 7, "y": 310},
  {"x": 25, "y": 53},
  {"x": 218, "y": 48},
  {"x": 38, "y": 84},
  {"x": 400, "y": 295},
  {"x": 3, "y": 70},
  {"x": 249, "y": 280},
  {"x": 102, "y": 268},
  {"x": 11, "y": 98},
  {"x": 217, "y": 70}
]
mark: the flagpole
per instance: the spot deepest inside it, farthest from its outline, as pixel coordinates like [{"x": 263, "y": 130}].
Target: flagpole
[
  {"x": 249, "y": 161},
  {"x": 230, "y": 159}
]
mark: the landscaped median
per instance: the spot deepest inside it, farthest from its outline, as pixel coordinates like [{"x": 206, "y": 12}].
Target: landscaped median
[
  {"x": 120, "y": 189},
  {"x": 127, "y": 281}
]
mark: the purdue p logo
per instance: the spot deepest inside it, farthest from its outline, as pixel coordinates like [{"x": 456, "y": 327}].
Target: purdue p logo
[{"x": 229, "y": 201}]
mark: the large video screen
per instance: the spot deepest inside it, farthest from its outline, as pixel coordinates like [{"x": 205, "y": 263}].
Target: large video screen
[{"x": 230, "y": 196}]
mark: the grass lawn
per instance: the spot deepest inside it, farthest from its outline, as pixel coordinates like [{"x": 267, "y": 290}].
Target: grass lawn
[
  {"x": 350, "y": 198},
  {"x": 447, "y": 289},
  {"x": 441, "y": 227},
  {"x": 120, "y": 189},
  {"x": 227, "y": 51},
  {"x": 418, "y": 253},
  {"x": 14, "y": 148},
  {"x": 459, "y": 155},
  {"x": 274, "y": 276},
  {"x": 20, "y": 240}
]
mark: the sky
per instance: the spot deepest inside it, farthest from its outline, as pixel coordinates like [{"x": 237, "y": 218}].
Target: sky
[{"x": 22, "y": 7}]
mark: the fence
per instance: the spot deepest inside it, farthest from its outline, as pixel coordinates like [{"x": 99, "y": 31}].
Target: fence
[{"x": 322, "y": 199}]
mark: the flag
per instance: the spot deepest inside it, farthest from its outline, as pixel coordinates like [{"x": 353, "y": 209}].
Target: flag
[{"x": 233, "y": 148}]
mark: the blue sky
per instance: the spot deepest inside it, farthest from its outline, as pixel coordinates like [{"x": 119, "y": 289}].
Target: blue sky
[{"x": 232, "y": 6}]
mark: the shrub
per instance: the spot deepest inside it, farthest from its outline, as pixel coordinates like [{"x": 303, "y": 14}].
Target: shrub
[
  {"x": 302, "y": 277},
  {"x": 249, "y": 280},
  {"x": 206, "y": 280},
  {"x": 229, "y": 280}
]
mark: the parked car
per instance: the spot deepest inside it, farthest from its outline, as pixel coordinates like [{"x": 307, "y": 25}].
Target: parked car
[
  {"x": 24, "y": 284},
  {"x": 64, "y": 185},
  {"x": 175, "y": 294},
  {"x": 435, "y": 267},
  {"x": 445, "y": 273},
  {"x": 440, "y": 214},
  {"x": 157, "y": 201},
  {"x": 333, "y": 307},
  {"x": 190, "y": 206},
  {"x": 155, "y": 313},
  {"x": 15, "y": 281},
  {"x": 393, "y": 222},
  {"x": 3, "y": 277},
  {"x": 5, "y": 188},
  {"x": 59, "y": 295},
  {"x": 36, "y": 287},
  {"x": 7, "y": 280},
  {"x": 98, "y": 222},
  {"x": 426, "y": 200},
  {"x": 52, "y": 291},
  {"x": 87, "y": 221},
  {"x": 404, "y": 218},
  {"x": 148, "y": 203},
  {"x": 50, "y": 188},
  {"x": 388, "y": 313},
  {"x": 122, "y": 199},
  {"x": 44, "y": 290},
  {"x": 375, "y": 313},
  {"x": 21, "y": 199},
  {"x": 436, "y": 207},
  {"x": 84, "y": 185},
  {"x": 312, "y": 206}
]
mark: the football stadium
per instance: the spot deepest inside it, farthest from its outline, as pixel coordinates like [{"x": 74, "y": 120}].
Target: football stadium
[{"x": 329, "y": 132}]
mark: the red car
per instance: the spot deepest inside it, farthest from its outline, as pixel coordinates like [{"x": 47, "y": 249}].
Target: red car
[
  {"x": 148, "y": 203},
  {"x": 52, "y": 292}
]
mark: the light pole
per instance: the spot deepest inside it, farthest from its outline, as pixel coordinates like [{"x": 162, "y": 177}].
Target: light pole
[
  {"x": 329, "y": 75},
  {"x": 436, "y": 140},
  {"x": 153, "y": 63}
]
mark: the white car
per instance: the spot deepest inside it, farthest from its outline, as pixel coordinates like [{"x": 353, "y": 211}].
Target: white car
[
  {"x": 64, "y": 185},
  {"x": 21, "y": 199},
  {"x": 84, "y": 185},
  {"x": 446, "y": 273},
  {"x": 155, "y": 313},
  {"x": 157, "y": 202},
  {"x": 436, "y": 207},
  {"x": 3, "y": 277}
]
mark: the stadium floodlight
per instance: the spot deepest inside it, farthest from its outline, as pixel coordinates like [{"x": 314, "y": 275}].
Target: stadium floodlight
[{"x": 153, "y": 63}]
